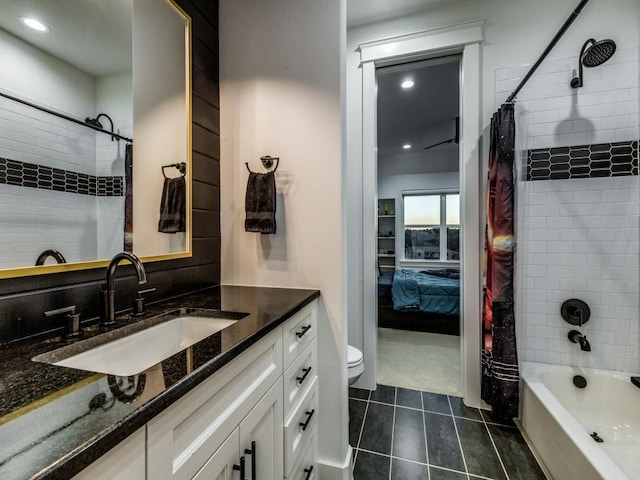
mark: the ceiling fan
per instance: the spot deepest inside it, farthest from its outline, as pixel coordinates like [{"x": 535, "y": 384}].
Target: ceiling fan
[{"x": 455, "y": 139}]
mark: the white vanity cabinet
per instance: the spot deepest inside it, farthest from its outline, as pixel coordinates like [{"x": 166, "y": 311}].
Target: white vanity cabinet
[
  {"x": 182, "y": 438},
  {"x": 267, "y": 395},
  {"x": 300, "y": 394},
  {"x": 260, "y": 407},
  {"x": 256, "y": 442}
]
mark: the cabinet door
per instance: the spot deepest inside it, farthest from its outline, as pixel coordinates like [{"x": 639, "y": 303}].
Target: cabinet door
[
  {"x": 125, "y": 461},
  {"x": 185, "y": 435},
  {"x": 220, "y": 465},
  {"x": 263, "y": 425}
]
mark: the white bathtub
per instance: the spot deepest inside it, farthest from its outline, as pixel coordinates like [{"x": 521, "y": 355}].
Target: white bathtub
[{"x": 558, "y": 418}]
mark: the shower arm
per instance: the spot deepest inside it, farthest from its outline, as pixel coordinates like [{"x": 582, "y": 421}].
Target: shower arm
[
  {"x": 547, "y": 50},
  {"x": 110, "y": 121},
  {"x": 577, "y": 81}
]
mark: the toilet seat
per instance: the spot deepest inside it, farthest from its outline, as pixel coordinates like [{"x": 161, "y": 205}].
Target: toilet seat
[{"x": 354, "y": 356}]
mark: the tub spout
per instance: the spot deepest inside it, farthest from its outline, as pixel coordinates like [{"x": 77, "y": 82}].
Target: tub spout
[{"x": 576, "y": 337}]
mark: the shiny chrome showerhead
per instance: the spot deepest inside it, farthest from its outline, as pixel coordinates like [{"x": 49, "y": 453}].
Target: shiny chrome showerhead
[{"x": 592, "y": 55}]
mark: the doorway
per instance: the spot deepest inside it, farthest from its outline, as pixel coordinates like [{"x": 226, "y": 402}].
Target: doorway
[
  {"x": 461, "y": 39},
  {"x": 418, "y": 225}
]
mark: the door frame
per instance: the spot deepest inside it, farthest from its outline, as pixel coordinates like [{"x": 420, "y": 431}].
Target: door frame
[{"x": 461, "y": 39}]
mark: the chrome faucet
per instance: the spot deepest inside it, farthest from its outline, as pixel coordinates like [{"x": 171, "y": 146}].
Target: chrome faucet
[
  {"x": 576, "y": 337},
  {"x": 109, "y": 288}
]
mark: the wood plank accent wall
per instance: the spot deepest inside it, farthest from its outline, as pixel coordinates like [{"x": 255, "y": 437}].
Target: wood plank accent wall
[{"x": 23, "y": 300}]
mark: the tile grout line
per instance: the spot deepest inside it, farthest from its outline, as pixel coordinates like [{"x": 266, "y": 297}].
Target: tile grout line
[
  {"x": 504, "y": 469},
  {"x": 393, "y": 427},
  {"x": 426, "y": 445},
  {"x": 455, "y": 426},
  {"x": 364, "y": 417},
  {"x": 408, "y": 460}
]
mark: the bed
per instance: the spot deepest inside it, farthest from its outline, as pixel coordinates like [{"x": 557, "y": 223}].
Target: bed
[{"x": 420, "y": 300}]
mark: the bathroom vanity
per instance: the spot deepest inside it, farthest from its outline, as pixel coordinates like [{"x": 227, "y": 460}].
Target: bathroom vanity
[{"x": 245, "y": 398}]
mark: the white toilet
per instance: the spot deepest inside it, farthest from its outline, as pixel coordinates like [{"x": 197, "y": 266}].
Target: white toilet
[{"x": 355, "y": 364}]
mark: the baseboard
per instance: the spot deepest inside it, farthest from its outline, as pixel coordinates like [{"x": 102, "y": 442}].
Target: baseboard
[{"x": 333, "y": 471}]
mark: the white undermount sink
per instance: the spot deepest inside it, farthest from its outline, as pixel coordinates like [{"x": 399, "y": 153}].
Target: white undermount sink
[{"x": 135, "y": 353}]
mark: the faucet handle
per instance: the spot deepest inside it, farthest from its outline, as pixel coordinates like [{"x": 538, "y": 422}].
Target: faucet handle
[
  {"x": 71, "y": 310},
  {"x": 138, "y": 302},
  {"x": 72, "y": 328}
]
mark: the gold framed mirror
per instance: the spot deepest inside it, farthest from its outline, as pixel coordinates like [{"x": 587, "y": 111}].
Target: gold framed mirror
[{"x": 95, "y": 133}]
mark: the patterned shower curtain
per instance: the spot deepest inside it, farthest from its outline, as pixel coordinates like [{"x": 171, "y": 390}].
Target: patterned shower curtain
[{"x": 500, "y": 377}]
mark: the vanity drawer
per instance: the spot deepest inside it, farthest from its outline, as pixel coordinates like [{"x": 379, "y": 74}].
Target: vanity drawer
[
  {"x": 300, "y": 426},
  {"x": 183, "y": 437},
  {"x": 298, "y": 332},
  {"x": 299, "y": 377},
  {"x": 306, "y": 467}
]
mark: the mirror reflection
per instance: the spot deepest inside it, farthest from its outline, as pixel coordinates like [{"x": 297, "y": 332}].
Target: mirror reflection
[{"x": 86, "y": 129}]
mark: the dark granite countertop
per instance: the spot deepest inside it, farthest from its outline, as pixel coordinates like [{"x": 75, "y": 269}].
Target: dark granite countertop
[{"x": 54, "y": 421}]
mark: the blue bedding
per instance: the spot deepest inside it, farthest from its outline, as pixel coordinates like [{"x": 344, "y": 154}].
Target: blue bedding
[{"x": 413, "y": 290}]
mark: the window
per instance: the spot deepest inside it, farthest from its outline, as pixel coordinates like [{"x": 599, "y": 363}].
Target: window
[{"x": 432, "y": 227}]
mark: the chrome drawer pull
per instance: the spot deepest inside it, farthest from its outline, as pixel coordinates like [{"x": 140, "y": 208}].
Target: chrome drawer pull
[
  {"x": 302, "y": 332},
  {"x": 304, "y": 376},
  {"x": 305, "y": 424},
  {"x": 308, "y": 472}
]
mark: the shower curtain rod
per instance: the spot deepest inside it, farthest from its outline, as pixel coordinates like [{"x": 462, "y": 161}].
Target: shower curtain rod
[
  {"x": 66, "y": 117},
  {"x": 552, "y": 44}
]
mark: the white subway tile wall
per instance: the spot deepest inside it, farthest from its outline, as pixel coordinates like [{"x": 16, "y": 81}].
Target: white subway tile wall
[
  {"x": 33, "y": 220},
  {"x": 604, "y": 110},
  {"x": 578, "y": 238}
]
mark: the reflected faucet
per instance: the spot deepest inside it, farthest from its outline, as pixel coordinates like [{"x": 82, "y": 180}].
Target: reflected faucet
[
  {"x": 109, "y": 288},
  {"x": 576, "y": 337},
  {"x": 50, "y": 253}
]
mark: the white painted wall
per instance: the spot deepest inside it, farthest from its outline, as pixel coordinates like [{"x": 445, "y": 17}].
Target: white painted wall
[
  {"x": 280, "y": 94},
  {"x": 161, "y": 115},
  {"x": 515, "y": 34},
  {"x": 30, "y": 73}
]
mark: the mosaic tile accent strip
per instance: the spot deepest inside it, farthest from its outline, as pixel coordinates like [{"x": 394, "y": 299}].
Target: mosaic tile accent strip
[
  {"x": 23, "y": 174},
  {"x": 583, "y": 161}
]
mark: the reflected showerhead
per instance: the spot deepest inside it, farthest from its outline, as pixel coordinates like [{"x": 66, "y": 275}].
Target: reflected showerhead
[
  {"x": 598, "y": 53},
  {"x": 93, "y": 122},
  {"x": 592, "y": 55}
]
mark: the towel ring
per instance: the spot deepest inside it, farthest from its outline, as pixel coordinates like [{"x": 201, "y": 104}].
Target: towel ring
[
  {"x": 267, "y": 162},
  {"x": 182, "y": 167}
]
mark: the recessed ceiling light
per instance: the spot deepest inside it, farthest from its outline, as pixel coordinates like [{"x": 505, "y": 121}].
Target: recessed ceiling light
[
  {"x": 407, "y": 84},
  {"x": 35, "y": 24},
  {"x": 406, "y": 146}
]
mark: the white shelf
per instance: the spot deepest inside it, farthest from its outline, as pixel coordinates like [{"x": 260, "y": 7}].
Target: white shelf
[
  {"x": 393, "y": 267},
  {"x": 386, "y": 255},
  {"x": 386, "y": 216},
  {"x": 386, "y": 238}
]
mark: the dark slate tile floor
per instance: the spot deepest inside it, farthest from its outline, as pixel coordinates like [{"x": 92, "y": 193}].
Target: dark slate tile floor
[{"x": 400, "y": 434}]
